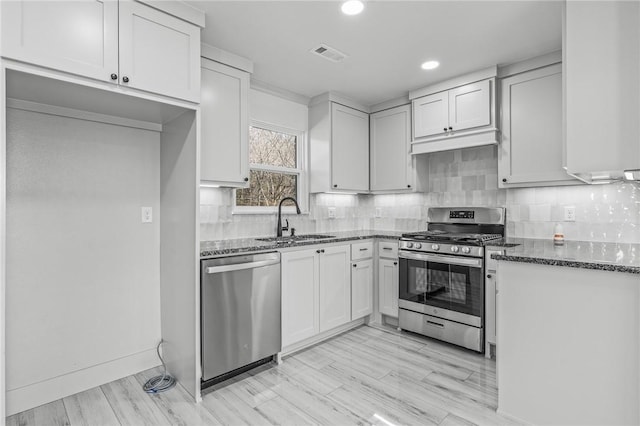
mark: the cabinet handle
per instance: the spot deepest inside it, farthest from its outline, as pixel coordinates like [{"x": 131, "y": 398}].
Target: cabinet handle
[
  {"x": 395, "y": 263},
  {"x": 450, "y": 128},
  {"x": 489, "y": 276},
  {"x": 125, "y": 79},
  {"x": 246, "y": 179},
  {"x": 364, "y": 249},
  {"x": 114, "y": 76},
  {"x": 504, "y": 179},
  {"x": 387, "y": 248},
  {"x": 318, "y": 251},
  {"x": 335, "y": 185},
  {"x": 445, "y": 129}
]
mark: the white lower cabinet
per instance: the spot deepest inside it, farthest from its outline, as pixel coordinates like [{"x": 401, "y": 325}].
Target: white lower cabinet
[
  {"x": 316, "y": 293},
  {"x": 388, "y": 272},
  {"x": 300, "y": 287},
  {"x": 361, "y": 288},
  {"x": 335, "y": 289}
]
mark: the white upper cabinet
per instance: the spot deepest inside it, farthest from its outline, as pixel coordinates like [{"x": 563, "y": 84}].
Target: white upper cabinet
[
  {"x": 602, "y": 100},
  {"x": 531, "y": 150},
  {"x": 350, "y": 146},
  {"x": 458, "y": 109},
  {"x": 470, "y": 106},
  {"x": 224, "y": 156},
  {"x": 79, "y": 37},
  {"x": 339, "y": 147},
  {"x": 125, "y": 42},
  {"x": 159, "y": 53},
  {"x": 457, "y": 113},
  {"x": 431, "y": 115},
  {"x": 391, "y": 162}
]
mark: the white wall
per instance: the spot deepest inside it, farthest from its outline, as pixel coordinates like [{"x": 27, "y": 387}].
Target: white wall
[{"x": 82, "y": 270}]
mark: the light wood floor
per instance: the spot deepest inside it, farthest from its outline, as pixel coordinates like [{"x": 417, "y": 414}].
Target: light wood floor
[{"x": 365, "y": 376}]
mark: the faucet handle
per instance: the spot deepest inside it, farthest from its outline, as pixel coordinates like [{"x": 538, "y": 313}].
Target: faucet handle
[
  {"x": 286, "y": 227},
  {"x": 293, "y": 232}
]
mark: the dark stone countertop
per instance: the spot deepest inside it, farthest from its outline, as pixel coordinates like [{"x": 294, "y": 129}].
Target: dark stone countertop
[
  {"x": 245, "y": 245},
  {"x": 617, "y": 257}
]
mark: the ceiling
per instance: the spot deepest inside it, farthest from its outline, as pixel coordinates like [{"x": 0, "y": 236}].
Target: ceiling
[{"x": 385, "y": 44}]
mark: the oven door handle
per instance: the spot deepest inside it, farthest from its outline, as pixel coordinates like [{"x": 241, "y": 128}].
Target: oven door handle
[{"x": 452, "y": 260}]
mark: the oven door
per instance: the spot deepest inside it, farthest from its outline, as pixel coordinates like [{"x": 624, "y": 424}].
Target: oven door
[{"x": 450, "y": 287}]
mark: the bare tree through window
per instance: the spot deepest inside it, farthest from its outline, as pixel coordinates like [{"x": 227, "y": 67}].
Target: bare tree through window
[{"x": 273, "y": 170}]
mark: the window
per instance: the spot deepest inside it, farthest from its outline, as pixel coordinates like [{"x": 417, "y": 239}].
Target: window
[{"x": 275, "y": 169}]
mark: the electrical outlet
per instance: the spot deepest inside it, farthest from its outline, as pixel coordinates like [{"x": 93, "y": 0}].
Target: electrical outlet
[
  {"x": 147, "y": 215},
  {"x": 569, "y": 214},
  {"x": 332, "y": 212},
  {"x": 378, "y": 211}
]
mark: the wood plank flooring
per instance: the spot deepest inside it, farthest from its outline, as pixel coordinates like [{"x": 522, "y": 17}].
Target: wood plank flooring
[{"x": 365, "y": 376}]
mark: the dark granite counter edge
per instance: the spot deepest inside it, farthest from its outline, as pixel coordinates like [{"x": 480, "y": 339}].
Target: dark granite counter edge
[
  {"x": 260, "y": 246},
  {"x": 595, "y": 265}
]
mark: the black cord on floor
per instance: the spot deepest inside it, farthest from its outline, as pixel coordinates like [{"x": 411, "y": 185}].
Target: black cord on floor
[{"x": 160, "y": 383}]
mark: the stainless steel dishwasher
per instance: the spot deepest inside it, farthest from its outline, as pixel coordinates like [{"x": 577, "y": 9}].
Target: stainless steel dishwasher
[{"x": 240, "y": 314}]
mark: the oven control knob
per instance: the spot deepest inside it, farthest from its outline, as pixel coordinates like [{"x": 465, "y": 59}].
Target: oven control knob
[
  {"x": 455, "y": 249},
  {"x": 466, "y": 250},
  {"x": 435, "y": 247},
  {"x": 418, "y": 245},
  {"x": 409, "y": 245}
]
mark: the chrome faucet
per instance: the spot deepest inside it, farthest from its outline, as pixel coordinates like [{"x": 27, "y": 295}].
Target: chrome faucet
[{"x": 279, "y": 226}]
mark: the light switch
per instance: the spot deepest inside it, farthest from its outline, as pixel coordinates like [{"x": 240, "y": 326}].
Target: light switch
[{"x": 147, "y": 215}]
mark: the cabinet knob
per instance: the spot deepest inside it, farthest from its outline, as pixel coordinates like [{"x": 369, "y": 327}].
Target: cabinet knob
[
  {"x": 335, "y": 185},
  {"x": 395, "y": 263},
  {"x": 408, "y": 186},
  {"x": 504, "y": 179},
  {"x": 445, "y": 129},
  {"x": 489, "y": 276},
  {"x": 125, "y": 79},
  {"x": 246, "y": 179},
  {"x": 318, "y": 251},
  {"x": 322, "y": 251},
  {"x": 114, "y": 76},
  {"x": 355, "y": 265},
  {"x": 450, "y": 128}
]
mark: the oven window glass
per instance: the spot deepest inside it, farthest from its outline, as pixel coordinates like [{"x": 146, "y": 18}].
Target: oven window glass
[{"x": 454, "y": 287}]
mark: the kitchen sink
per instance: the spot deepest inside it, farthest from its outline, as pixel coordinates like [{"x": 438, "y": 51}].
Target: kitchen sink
[{"x": 295, "y": 238}]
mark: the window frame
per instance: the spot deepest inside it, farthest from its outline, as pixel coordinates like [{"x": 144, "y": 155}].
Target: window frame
[{"x": 301, "y": 171}]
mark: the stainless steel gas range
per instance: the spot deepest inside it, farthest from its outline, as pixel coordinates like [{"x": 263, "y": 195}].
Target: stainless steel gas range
[{"x": 442, "y": 287}]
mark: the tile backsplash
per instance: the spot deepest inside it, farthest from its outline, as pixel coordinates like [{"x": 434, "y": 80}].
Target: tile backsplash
[{"x": 467, "y": 177}]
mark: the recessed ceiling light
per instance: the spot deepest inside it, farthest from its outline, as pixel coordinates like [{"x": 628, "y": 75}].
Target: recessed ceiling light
[
  {"x": 429, "y": 65},
  {"x": 352, "y": 7}
]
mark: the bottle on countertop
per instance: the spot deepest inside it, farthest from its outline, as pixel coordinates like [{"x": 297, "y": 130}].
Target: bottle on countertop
[{"x": 558, "y": 235}]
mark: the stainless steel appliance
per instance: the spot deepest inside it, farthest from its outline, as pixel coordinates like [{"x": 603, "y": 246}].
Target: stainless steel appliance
[
  {"x": 442, "y": 287},
  {"x": 240, "y": 314}
]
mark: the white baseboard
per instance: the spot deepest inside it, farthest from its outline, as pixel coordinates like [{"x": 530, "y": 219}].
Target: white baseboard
[{"x": 27, "y": 397}]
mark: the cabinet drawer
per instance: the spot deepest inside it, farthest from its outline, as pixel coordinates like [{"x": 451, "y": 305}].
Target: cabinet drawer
[
  {"x": 388, "y": 249},
  {"x": 361, "y": 250}
]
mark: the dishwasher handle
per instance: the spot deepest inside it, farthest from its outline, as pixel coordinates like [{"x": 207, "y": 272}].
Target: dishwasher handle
[{"x": 240, "y": 266}]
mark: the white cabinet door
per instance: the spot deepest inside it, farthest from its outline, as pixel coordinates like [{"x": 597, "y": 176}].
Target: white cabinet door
[
  {"x": 470, "y": 106},
  {"x": 224, "y": 155},
  {"x": 349, "y": 148},
  {"x": 430, "y": 115},
  {"x": 391, "y": 161},
  {"x": 79, "y": 37},
  {"x": 361, "y": 288},
  {"x": 388, "y": 281},
  {"x": 602, "y": 102},
  {"x": 159, "y": 53},
  {"x": 300, "y": 286},
  {"x": 335, "y": 287},
  {"x": 531, "y": 149}
]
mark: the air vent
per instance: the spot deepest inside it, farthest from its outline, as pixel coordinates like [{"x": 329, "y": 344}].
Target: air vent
[{"x": 329, "y": 53}]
